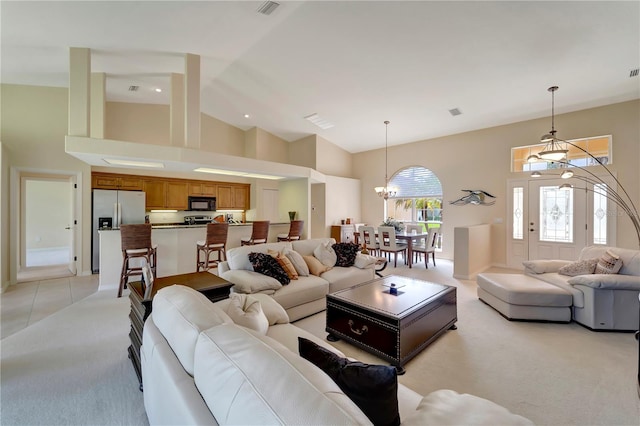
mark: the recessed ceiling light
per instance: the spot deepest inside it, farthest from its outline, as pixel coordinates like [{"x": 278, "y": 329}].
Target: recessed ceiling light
[
  {"x": 246, "y": 116},
  {"x": 134, "y": 163},
  {"x": 157, "y": 89}
]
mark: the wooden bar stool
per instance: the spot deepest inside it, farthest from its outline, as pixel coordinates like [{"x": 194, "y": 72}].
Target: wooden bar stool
[
  {"x": 215, "y": 242},
  {"x": 295, "y": 231},
  {"x": 259, "y": 234},
  {"x": 136, "y": 243}
]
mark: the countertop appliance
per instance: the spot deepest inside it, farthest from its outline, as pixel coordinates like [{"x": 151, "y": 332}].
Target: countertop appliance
[
  {"x": 202, "y": 204},
  {"x": 110, "y": 209},
  {"x": 196, "y": 220}
]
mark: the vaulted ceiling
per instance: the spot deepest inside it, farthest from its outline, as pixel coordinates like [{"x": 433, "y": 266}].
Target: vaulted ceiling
[{"x": 354, "y": 63}]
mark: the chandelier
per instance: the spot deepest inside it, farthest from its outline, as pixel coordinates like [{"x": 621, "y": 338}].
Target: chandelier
[
  {"x": 554, "y": 150},
  {"x": 386, "y": 191}
]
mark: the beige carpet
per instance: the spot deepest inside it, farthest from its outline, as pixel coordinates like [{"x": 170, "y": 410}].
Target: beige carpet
[{"x": 553, "y": 374}]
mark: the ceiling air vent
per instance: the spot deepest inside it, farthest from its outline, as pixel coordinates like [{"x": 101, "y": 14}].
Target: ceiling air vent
[
  {"x": 455, "y": 112},
  {"x": 319, "y": 121},
  {"x": 634, "y": 72},
  {"x": 133, "y": 88},
  {"x": 268, "y": 7}
]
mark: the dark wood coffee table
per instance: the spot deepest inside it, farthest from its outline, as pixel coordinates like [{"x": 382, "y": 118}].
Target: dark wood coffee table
[{"x": 394, "y": 327}]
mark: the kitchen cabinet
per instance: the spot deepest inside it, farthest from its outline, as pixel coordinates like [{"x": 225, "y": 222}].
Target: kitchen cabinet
[
  {"x": 206, "y": 189},
  {"x": 241, "y": 197},
  {"x": 224, "y": 199},
  {"x": 233, "y": 197},
  {"x": 121, "y": 182},
  {"x": 162, "y": 194},
  {"x": 343, "y": 233}
]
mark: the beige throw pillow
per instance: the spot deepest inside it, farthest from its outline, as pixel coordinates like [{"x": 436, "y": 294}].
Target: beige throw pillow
[
  {"x": 298, "y": 262},
  {"x": 285, "y": 263},
  {"x": 325, "y": 254},
  {"x": 609, "y": 263},
  {"x": 245, "y": 310},
  {"x": 315, "y": 266},
  {"x": 581, "y": 267}
]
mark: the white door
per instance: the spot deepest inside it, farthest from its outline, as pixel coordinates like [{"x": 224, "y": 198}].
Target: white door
[{"x": 557, "y": 220}]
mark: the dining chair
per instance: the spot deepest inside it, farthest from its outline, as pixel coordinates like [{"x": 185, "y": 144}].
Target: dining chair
[
  {"x": 418, "y": 230},
  {"x": 135, "y": 240},
  {"x": 259, "y": 234},
  {"x": 429, "y": 247},
  {"x": 368, "y": 239},
  {"x": 214, "y": 242},
  {"x": 388, "y": 243},
  {"x": 295, "y": 231}
]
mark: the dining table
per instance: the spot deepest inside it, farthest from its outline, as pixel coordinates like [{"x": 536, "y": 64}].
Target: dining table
[{"x": 408, "y": 237}]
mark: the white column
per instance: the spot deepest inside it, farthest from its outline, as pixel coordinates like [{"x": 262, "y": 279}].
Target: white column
[
  {"x": 79, "y": 87},
  {"x": 98, "y": 104},
  {"x": 177, "y": 110},
  {"x": 192, "y": 101}
]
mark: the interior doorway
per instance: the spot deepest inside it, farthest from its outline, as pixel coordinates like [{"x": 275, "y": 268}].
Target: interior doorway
[{"x": 47, "y": 227}]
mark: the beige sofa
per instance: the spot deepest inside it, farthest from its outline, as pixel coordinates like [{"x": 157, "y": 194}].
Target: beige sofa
[
  {"x": 597, "y": 301},
  {"x": 302, "y": 297},
  {"x": 199, "y": 367}
]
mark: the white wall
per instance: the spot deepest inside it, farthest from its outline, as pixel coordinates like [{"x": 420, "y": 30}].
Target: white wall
[
  {"x": 343, "y": 200},
  {"x": 295, "y": 196},
  {"x": 4, "y": 217}
]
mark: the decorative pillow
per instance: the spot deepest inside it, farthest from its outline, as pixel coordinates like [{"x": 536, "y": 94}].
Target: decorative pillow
[
  {"x": 345, "y": 253},
  {"x": 298, "y": 262},
  {"x": 245, "y": 310},
  {"x": 285, "y": 263},
  {"x": 274, "y": 311},
  {"x": 581, "y": 267},
  {"x": 373, "y": 388},
  {"x": 267, "y": 265},
  {"x": 364, "y": 261},
  {"x": 609, "y": 263},
  {"x": 250, "y": 281},
  {"x": 316, "y": 267},
  {"x": 325, "y": 254}
]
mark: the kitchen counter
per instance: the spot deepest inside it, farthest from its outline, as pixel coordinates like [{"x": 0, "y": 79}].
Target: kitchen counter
[{"x": 176, "y": 247}]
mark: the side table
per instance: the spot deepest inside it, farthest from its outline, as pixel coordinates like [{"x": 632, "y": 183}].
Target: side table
[{"x": 212, "y": 286}]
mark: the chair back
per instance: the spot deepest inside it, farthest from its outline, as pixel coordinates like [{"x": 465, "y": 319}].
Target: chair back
[
  {"x": 368, "y": 235},
  {"x": 217, "y": 233},
  {"x": 260, "y": 231},
  {"x": 295, "y": 229},
  {"x": 414, "y": 227},
  {"x": 387, "y": 237},
  {"x": 135, "y": 236},
  {"x": 432, "y": 238}
]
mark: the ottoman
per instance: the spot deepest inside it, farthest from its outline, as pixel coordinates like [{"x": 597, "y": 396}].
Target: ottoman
[{"x": 522, "y": 297}]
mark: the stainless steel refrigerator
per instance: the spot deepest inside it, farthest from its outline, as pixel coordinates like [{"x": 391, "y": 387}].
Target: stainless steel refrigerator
[{"x": 110, "y": 210}]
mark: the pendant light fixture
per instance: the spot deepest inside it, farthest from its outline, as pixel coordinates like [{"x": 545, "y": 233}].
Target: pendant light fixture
[
  {"x": 386, "y": 191},
  {"x": 554, "y": 150}
]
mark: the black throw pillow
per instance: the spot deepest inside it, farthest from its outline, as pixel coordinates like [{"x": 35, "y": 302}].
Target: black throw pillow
[
  {"x": 269, "y": 266},
  {"x": 346, "y": 253},
  {"x": 373, "y": 388}
]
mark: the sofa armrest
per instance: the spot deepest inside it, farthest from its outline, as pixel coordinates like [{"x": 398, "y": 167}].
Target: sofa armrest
[
  {"x": 543, "y": 266},
  {"x": 223, "y": 267},
  {"x": 608, "y": 281}
]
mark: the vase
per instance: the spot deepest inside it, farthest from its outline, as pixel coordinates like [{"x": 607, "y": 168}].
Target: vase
[{"x": 292, "y": 215}]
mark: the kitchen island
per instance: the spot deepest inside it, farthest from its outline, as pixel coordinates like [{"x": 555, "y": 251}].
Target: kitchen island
[{"x": 176, "y": 248}]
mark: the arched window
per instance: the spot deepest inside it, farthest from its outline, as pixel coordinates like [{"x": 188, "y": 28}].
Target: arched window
[{"x": 419, "y": 197}]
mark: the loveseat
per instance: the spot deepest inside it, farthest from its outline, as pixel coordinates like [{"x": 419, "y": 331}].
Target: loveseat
[
  {"x": 301, "y": 297},
  {"x": 200, "y": 367},
  {"x": 599, "y": 301}
]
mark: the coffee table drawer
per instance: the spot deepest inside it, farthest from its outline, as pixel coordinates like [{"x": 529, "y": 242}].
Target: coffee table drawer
[{"x": 373, "y": 334}]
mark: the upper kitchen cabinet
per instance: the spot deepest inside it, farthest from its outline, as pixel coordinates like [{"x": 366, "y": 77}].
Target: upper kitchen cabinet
[
  {"x": 233, "y": 196},
  {"x": 200, "y": 188},
  {"x": 114, "y": 181},
  {"x": 166, "y": 194}
]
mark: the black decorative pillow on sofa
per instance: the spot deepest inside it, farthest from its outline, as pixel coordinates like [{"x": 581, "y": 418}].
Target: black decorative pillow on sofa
[
  {"x": 346, "y": 253},
  {"x": 373, "y": 388},
  {"x": 267, "y": 265}
]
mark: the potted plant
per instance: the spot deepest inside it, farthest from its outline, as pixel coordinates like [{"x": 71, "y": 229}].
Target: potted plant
[{"x": 399, "y": 226}]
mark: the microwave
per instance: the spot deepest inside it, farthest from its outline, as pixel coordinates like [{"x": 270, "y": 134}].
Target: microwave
[{"x": 202, "y": 203}]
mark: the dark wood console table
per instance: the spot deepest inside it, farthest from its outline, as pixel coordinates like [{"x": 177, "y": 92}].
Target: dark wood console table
[{"x": 212, "y": 286}]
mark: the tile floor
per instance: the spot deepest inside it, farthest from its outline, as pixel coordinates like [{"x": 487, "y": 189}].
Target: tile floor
[{"x": 26, "y": 303}]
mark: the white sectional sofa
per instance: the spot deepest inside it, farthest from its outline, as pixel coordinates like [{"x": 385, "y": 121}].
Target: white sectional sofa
[
  {"x": 597, "y": 301},
  {"x": 302, "y": 297},
  {"x": 199, "y": 367}
]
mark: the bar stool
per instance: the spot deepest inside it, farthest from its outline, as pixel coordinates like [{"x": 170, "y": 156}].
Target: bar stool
[
  {"x": 259, "y": 234},
  {"x": 136, "y": 243},
  {"x": 216, "y": 242},
  {"x": 295, "y": 231}
]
